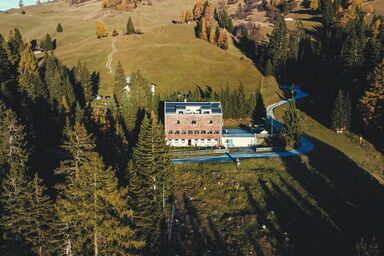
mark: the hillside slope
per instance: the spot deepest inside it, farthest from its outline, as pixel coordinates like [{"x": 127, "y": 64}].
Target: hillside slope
[{"x": 168, "y": 54}]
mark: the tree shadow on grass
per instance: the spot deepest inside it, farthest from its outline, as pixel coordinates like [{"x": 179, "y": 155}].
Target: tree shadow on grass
[
  {"x": 351, "y": 198},
  {"x": 193, "y": 237}
]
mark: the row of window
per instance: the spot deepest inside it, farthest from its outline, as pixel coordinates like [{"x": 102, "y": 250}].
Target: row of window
[
  {"x": 193, "y": 122},
  {"x": 195, "y": 141},
  {"x": 194, "y": 132}
]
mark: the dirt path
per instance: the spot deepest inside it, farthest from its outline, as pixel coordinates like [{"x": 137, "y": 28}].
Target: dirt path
[{"x": 110, "y": 57}]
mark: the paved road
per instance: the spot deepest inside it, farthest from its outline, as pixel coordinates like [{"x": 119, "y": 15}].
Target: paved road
[{"x": 306, "y": 144}]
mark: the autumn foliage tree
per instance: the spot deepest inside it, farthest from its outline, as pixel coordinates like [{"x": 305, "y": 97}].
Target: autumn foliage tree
[
  {"x": 198, "y": 9},
  {"x": 101, "y": 30}
]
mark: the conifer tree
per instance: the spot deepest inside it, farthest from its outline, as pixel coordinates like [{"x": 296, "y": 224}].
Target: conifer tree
[
  {"x": 222, "y": 41},
  {"x": 130, "y": 27},
  {"x": 291, "y": 129},
  {"x": 41, "y": 217},
  {"x": 83, "y": 77},
  {"x": 150, "y": 165},
  {"x": 258, "y": 113},
  {"x": 46, "y": 43},
  {"x": 14, "y": 46},
  {"x": 5, "y": 65},
  {"x": 59, "y": 28},
  {"x": 338, "y": 112},
  {"x": 371, "y": 103},
  {"x": 314, "y": 5},
  {"x": 92, "y": 205},
  {"x": 278, "y": 45},
  {"x": 120, "y": 83},
  {"x": 13, "y": 196},
  {"x": 241, "y": 102}
]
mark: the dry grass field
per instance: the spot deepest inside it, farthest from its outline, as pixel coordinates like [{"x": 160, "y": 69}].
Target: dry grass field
[{"x": 167, "y": 54}]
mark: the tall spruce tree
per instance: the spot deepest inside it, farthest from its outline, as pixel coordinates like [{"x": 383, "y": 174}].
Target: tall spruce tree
[
  {"x": 41, "y": 218},
  {"x": 13, "y": 196},
  {"x": 371, "y": 103},
  {"x": 147, "y": 181},
  {"x": 5, "y": 64},
  {"x": 14, "y": 46},
  {"x": 341, "y": 113},
  {"x": 258, "y": 113},
  {"x": 278, "y": 46},
  {"x": 91, "y": 204},
  {"x": 84, "y": 80},
  {"x": 291, "y": 129},
  {"x": 130, "y": 27}
]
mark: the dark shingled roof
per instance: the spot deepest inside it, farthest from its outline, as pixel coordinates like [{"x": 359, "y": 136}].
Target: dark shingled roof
[{"x": 170, "y": 107}]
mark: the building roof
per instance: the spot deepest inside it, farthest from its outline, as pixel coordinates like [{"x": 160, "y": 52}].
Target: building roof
[
  {"x": 237, "y": 132},
  {"x": 173, "y": 107}
]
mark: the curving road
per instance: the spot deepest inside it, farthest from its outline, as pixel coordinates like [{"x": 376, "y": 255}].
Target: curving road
[
  {"x": 305, "y": 144},
  {"x": 110, "y": 57}
]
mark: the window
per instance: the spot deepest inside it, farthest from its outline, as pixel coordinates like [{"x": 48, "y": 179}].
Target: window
[
  {"x": 197, "y": 132},
  {"x": 177, "y": 132},
  {"x": 203, "y": 132},
  {"x": 206, "y": 112},
  {"x": 183, "y": 141},
  {"x": 210, "y": 122},
  {"x": 183, "y": 132},
  {"x": 176, "y": 141},
  {"x": 216, "y": 132},
  {"x": 209, "y": 132},
  {"x": 190, "y": 132},
  {"x": 170, "y": 132},
  {"x": 193, "y": 122},
  {"x": 177, "y": 122},
  {"x": 181, "y": 112},
  {"x": 209, "y": 140}
]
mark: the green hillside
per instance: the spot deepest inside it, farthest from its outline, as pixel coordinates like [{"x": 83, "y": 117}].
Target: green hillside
[{"x": 168, "y": 54}]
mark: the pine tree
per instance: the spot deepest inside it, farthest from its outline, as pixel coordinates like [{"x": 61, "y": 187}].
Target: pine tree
[
  {"x": 83, "y": 78},
  {"x": 14, "y": 46},
  {"x": 5, "y": 65},
  {"x": 101, "y": 30},
  {"x": 150, "y": 165},
  {"x": 278, "y": 45},
  {"x": 41, "y": 218},
  {"x": 93, "y": 206},
  {"x": 59, "y": 28},
  {"x": 130, "y": 27},
  {"x": 120, "y": 83},
  {"x": 259, "y": 112},
  {"x": 371, "y": 106},
  {"x": 13, "y": 197},
  {"x": 46, "y": 43},
  {"x": 241, "y": 102},
  {"x": 338, "y": 112},
  {"x": 291, "y": 129}
]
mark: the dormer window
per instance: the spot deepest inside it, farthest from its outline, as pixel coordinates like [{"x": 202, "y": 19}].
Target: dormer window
[
  {"x": 193, "y": 122},
  {"x": 177, "y": 122},
  {"x": 210, "y": 122}
]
